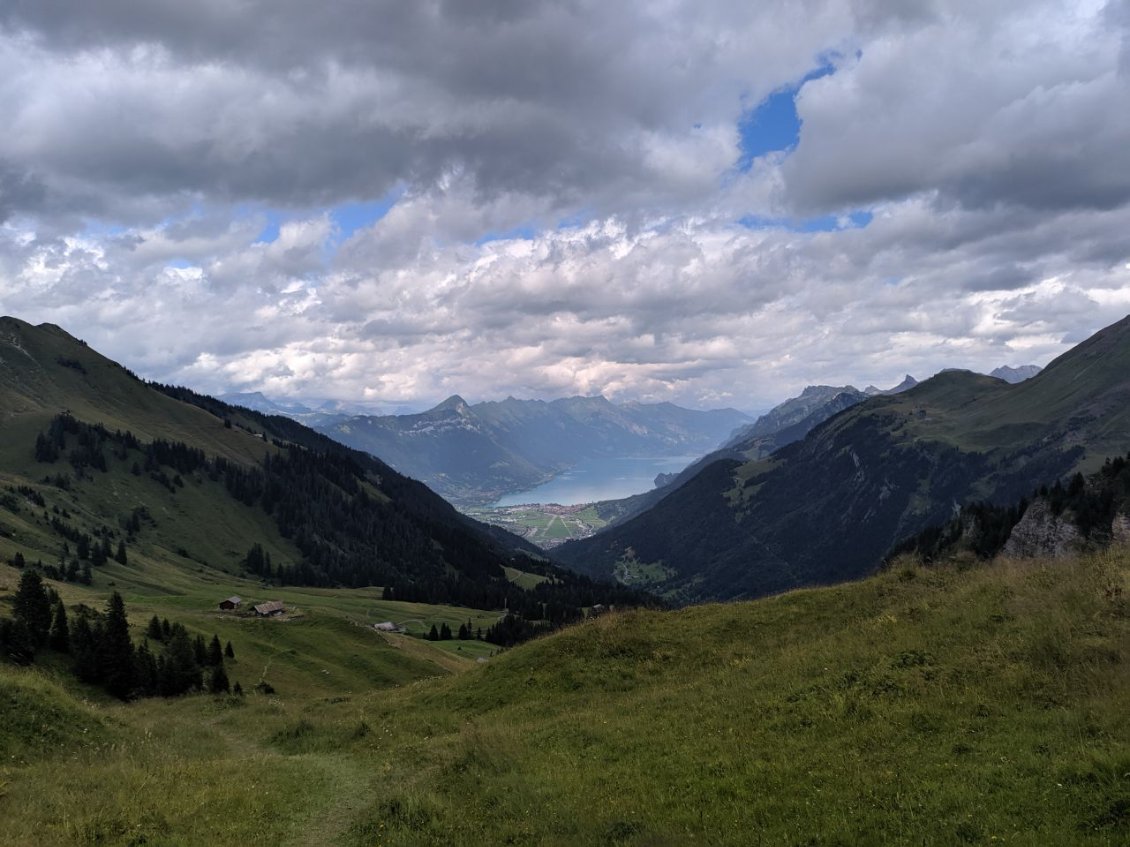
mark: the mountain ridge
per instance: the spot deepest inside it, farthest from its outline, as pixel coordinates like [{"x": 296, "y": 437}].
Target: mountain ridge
[
  {"x": 475, "y": 453},
  {"x": 194, "y": 481},
  {"x": 827, "y": 507}
]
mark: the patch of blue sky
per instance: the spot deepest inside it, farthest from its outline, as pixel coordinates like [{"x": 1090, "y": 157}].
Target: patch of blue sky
[
  {"x": 773, "y": 124},
  {"x": 270, "y": 231},
  {"x": 350, "y": 217},
  {"x": 347, "y": 217},
  {"x": 523, "y": 232},
  {"x": 101, "y": 229},
  {"x": 856, "y": 219}
]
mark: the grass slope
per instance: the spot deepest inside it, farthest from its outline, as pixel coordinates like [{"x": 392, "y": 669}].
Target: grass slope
[{"x": 920, "y": 706}]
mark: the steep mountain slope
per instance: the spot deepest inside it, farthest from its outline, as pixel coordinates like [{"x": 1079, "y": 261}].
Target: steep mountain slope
[
  {"x": 88, "y": 451},
  {"x": 785, "y": 423},
  {"x": 827, "y": 508},
  {"x": 473, "y": 454}
]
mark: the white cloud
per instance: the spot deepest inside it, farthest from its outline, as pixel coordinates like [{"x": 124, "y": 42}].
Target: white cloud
[{"x": 149, "y": 149}]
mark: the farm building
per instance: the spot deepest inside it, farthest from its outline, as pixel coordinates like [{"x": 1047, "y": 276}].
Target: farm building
[
  {"x": 270, "y": 608},
  {"x": 231, "y": 604}
]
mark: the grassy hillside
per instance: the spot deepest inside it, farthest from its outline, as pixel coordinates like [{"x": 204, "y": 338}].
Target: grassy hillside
[{"x": 921, "y": 706}]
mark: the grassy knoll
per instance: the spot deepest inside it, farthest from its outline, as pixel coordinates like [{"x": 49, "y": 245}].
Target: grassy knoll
[{"x": 922, "y": 706}]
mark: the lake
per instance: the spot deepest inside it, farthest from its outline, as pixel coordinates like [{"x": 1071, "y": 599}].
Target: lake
[{"x": 600, "y": 479}]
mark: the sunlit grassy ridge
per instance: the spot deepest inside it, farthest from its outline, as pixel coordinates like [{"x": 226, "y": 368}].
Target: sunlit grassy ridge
[{"x": 921, "y": 706}]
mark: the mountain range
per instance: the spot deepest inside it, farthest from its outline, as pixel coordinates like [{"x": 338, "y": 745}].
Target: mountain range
[
  {"x": 828, "y": 507},
  {"x": 88, "y": 450},
  {"x": 474, "y": 454}
]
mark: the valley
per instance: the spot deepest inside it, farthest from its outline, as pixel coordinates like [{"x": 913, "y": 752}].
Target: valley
[
  {"x": 938, "y": 697},
  {"x": 546, "y": 525}
]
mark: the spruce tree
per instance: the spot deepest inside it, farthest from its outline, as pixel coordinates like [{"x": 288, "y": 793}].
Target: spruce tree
[
  {"x": 116, "y": 650},
  {"x": 183, "y": 670},
  {"x": 218, "y": 681},
  {"x": 145, "y": 671},
  {"x": 32, "y": 608},
  {"x": 153, "y": 631},
  {"x": 433, "y": 634},
  {"x": 60, "y": 631},
  {"x": 120, "y": 556},
  {"x": 215, "y": 652},
  {"x": 84, "y": 651},
  {"x": 200, "y": 650},
  {"x": 229, "y": 651}
]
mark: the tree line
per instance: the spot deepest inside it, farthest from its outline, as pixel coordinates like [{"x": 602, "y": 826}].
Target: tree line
[
  {"x": 354, "y": 520},
  {"x": 169, "y": 662}
]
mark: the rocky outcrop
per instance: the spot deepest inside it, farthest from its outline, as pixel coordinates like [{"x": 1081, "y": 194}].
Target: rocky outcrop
[{"x": 1042, "y": 534}]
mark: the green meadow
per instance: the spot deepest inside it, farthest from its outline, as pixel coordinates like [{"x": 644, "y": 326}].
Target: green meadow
[
  {"x": 544, "y": 525},
  {"x": 948, "y": 705}
]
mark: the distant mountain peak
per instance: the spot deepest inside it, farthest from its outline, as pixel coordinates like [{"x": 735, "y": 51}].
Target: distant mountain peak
[
  {"x": 454, "y": 403},
  {"x": 908, "y": 382},
  {"x": 1017, "y": 374}
]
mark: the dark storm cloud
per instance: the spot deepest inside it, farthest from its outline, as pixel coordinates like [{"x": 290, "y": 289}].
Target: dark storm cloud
[
  {"x": 304, "y": 104},
  {"x": 19, "y": 190}
]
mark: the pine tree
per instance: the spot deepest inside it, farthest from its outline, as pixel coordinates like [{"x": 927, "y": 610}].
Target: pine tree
[
  {"x": 237, "y": 690},
  {"x": 200, "y": 650},
  {"x": 146, "y": 671},
  {"x": 87, "y": 575},
  {"x": 229, "y": 651},
  {"x": 120, "y": 556},
  {"x": 84, "y": 651},
  {"x": 153, "y": 630},
  {"x": 60, "y": 631},
  {"x": 433, "y": 634},
  {"x": 215, "y": 652},
  {"x": 116, "y": 650},
  {"x": 31, "y": 607},
  {"x": 183, "y": 670},
  {"x": 218, "y": 681},
  {"x": 444, "y": 632}
]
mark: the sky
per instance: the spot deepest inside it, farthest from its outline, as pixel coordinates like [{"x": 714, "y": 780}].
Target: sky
[{"x": 713, "y": 203}]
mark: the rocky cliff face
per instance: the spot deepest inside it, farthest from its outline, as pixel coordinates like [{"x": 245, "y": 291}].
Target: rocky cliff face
[{"x": 1041, "y": 534}]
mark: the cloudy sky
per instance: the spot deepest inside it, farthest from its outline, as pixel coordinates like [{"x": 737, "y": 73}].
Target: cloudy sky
[{"x": 713, "y": 202}]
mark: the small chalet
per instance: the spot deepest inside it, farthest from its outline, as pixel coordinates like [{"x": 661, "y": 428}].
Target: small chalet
[
  {"x": 231, "y": 604},
  {"x": 270, "y": 608}
]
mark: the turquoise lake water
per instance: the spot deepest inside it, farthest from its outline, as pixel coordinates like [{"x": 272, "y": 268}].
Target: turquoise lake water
[{"x": 600, "y": 479}]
